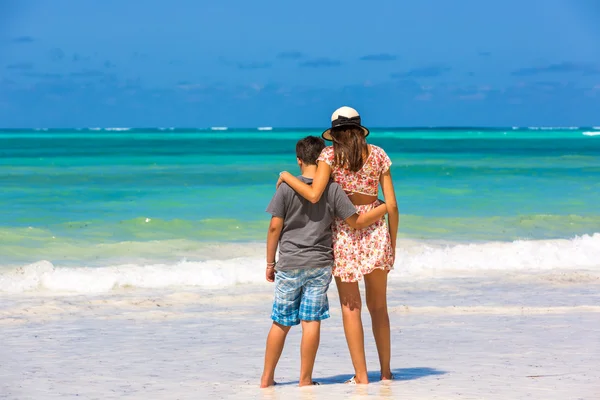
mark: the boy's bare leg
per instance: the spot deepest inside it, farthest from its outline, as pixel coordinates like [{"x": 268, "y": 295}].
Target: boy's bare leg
[
  {"x": 275, "y": 342},
  {"x": 311, "y": 335}
]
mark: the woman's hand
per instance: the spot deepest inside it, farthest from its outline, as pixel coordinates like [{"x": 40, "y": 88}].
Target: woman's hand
[{"x": 281, "y": 178}]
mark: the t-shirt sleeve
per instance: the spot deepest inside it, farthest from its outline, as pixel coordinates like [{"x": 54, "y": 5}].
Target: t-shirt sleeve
[
  {"x": 277, "y": 205},
  {"x": 343, "y": 206},
  {"x": 384, "y": 161},
  {"x": 327, "y": 155}
]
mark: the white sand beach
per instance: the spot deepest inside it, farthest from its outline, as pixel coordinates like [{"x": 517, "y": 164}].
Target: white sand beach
[{"x": 511, "y": 337}]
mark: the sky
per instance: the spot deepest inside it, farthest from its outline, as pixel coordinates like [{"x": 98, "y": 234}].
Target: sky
[{"x": 240, "y": 63}]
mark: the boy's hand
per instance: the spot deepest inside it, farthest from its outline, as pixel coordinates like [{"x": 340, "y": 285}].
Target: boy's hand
[{"x": 270, "y": 273}]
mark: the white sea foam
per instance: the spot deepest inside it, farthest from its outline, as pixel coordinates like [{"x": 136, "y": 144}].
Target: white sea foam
[
  {"x": 594, "y": 133},
  {"x": 414, "y": 260},
  {"x": 118, "y": 129},
  {"x": 219, "y": 128},
  {"x": 44, "y": 276},
  {"x": 553, "y": 128},
  {"x": 560, "y": 128},
  {"x": 522, "y": 256},
  {"x": 265, "y": 128}
]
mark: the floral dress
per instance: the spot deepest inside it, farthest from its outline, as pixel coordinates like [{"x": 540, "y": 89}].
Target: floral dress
[{"x": 358, "y": 252}]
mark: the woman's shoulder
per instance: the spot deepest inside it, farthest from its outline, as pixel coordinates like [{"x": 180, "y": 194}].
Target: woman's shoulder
[
  {"x": 327, "y": 152},
  {"x": 327, "y": 155},
  {"x": 381, "y": 161},
  {"x": 378, "y": 151}
]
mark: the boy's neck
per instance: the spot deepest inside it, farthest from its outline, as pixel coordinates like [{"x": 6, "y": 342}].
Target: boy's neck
[{"x": 308, "y": 171}]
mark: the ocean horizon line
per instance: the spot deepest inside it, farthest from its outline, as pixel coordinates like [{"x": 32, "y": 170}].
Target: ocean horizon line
[{"x": 290, "y": 129}]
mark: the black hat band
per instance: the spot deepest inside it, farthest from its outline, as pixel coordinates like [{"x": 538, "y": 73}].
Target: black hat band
[{"x": 341, "y": 121}]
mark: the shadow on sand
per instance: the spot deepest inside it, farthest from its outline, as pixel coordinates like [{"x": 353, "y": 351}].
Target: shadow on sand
[{"x": 400, "y": 374}]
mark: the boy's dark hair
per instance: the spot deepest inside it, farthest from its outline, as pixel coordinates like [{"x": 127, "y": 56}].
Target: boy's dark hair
[{"x": 309, "y": 149}]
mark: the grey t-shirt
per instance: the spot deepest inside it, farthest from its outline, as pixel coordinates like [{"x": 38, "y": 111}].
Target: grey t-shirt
[{"x": 305, "y": 240}]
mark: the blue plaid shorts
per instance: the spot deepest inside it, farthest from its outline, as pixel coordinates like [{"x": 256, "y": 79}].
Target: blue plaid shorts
[{"x": 301, "y": 295}]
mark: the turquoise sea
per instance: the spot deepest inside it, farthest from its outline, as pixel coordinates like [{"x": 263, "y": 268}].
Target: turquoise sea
[{"x": 98, "y": 198}]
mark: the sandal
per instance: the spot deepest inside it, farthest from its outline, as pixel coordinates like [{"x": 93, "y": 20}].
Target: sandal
[{"x": 351, "y": 381}]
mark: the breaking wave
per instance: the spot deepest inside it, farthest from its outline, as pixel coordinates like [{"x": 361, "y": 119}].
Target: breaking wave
[{"x": 414, "y": 260}]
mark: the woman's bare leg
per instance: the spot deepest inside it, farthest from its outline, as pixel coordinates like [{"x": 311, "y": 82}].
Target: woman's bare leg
[
  {"x": 376, "y": 292},
  {"x": 355, "y": 337}
]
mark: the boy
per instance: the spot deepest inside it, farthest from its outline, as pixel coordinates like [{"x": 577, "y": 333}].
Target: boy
[{"x": 303, "y": 272}]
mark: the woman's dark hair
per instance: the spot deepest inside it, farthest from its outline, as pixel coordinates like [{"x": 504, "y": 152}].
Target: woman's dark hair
[
  {"x": 309, "y": 149},
  {"x": 349, "y": 147}
]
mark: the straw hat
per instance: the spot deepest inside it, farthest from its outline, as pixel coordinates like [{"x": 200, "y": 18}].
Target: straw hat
[{"x": 344, "y": 116}]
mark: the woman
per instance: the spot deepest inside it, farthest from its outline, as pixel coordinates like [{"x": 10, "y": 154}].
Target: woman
[{"x": 358, "y": 168}]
